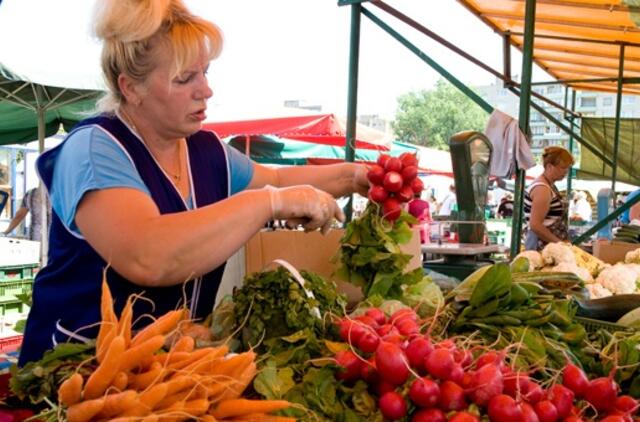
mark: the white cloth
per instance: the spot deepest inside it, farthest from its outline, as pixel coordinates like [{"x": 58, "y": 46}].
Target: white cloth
[
  {"x": 510, "y": 145},
  {"x": 583, "y": 209},
  {"x": 447, "y": 204}
]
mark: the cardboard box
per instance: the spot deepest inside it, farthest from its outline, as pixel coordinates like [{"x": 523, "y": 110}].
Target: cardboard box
[
  {"x": 612, "y": 251},
  {"x": 312, "y": 252}
]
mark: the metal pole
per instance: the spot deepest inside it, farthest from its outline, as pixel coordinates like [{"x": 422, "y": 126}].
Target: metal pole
[
  {"x": 44, "y": 238},
  {"x": 570, "y": 118},
  {"x": 352, "y": 104},
  {"x": 525, "y": 100},
  {"x": 616, "y": 135}
]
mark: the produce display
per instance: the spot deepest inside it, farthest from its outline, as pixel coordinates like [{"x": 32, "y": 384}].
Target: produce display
[{"x": 629, "y": 233}]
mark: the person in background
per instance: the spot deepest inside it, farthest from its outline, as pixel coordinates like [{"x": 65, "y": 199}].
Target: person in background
[
  {"x": 632, "y": 213},
  {"x": 144, "y": 192},
  {"x": 448, "y": 203},
  {"x": 419, "y": 208},
  {"x": 581, "y": 210},
  {"x": 32, "y": 202},
  {"x": 545, "y": 210},
  {"x": 505, "y": 209}
]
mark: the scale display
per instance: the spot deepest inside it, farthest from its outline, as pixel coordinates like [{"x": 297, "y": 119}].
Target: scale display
[{"x": 471, "y": 161}]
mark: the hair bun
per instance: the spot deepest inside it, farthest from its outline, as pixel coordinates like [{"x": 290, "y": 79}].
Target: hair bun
[{"x": 131, "y": 20}]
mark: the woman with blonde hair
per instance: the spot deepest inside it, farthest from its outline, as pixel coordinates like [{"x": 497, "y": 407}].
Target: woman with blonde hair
[
  {"x": 141, "y": 190},
  {"x": 545, "y": 210}
]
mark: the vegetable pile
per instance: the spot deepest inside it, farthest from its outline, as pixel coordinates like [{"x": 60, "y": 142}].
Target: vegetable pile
[{"x": 394, "y": 181}]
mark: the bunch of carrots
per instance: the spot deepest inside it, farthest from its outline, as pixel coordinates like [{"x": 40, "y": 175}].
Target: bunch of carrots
[{"x": 137, "y": 380}]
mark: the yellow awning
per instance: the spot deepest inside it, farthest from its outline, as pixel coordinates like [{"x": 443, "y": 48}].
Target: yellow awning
[{"x": 575, "y": 39}]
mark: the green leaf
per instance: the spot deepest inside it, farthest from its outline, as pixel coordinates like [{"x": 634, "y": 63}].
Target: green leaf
[
  {"x": 273, "y": 383},
  {"x": 494, "y": 283},
  {"x": 381, "y": 284}
]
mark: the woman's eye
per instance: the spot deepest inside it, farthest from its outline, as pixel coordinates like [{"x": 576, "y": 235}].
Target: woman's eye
[{"x": 183, "y": 79}]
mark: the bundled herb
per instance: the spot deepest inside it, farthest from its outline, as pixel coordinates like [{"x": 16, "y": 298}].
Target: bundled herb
[{"x": 370, "y": 254}]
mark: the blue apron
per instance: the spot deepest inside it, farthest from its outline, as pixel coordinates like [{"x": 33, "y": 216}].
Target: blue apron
[{"x": 67, "y": 291}]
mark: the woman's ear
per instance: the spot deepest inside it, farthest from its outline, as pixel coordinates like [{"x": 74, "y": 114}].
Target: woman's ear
[{"x": 130, "y": 89}]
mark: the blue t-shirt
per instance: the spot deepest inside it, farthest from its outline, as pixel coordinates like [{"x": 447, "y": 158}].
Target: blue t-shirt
[
  {"x": 624, "y": 218},
  {"x": 90, "y": 159}
]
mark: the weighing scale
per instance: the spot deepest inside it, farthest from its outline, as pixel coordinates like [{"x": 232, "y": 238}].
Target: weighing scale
[{"x": 471, "y": 161}]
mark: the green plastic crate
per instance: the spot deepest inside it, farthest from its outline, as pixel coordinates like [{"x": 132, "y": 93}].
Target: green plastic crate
[
  {"x": 17, "y": 272},
  {"x": 9, "y": 289}
]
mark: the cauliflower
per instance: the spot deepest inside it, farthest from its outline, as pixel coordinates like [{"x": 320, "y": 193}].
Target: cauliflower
[
  {"x": 596, "y": 291},
  {"x": 632, "y": 257},
  {"x": 567, "y": 267},
  {"x": 620, "y": 278},
  {"x": 534, "y": 258},
  {"x": 555, "y": 253}
]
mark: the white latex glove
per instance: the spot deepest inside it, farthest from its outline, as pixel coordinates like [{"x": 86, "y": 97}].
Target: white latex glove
[{"x": 305, "y": 205}]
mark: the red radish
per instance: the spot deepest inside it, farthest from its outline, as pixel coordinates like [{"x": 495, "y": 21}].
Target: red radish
[
  {"x": 382, "y": 159},
  {"x": 429, "y": 415},
  {"x": 451, "y": 396},
  {"x": 546, "y": 411},
  {"x": 456, "y": 374},
  {"x": 626, "y": 404},
  {"x": 392, "y": 181},
  {"x": 392, "y": 406},
  {"x": 573, "y": 419},
  {"x": 376, "y": 174},
  {"x": 405, "y": 194},
  {"x": 368, "y": 371},
  {"x": 407, "y": 327},
  {"x": 503, "y": 408},
  {"x": 351, "y": 331},
  {"x": 417, "y": 351},
  {"x": 447, "y": 344},
  {"x": 487, "y": 383},
  {"x": 394, "y": 337},
  {"x": 377, "y": 315},
  {"x": 439, "y": 363},
  {"x": 369, "y": 342},
  {"x": 601, "y": 393},
  {"x": 416, "y": 185},
  {"x": 391, "y": 363},
  {"x": 387, "y": 329},
  {"x": 349, "y": 364},
  {"x": 464, "y": 417},
  {"x": 393, "y": 164},
  {"x": 424, "y": 392},
  {"x": 575, "y": 379},
  {"x": 467, "y": 379},
  {"x": 378, "y": 194},
  {"x": 409, "y": 173},
  {"x": 535, "y": 393},
  {"x": 463, "y": 357},
  {"x": 382, "y": 387},
  {"x": 403, "y": 313},
  {"x": 528, "y": 414},
  {"x": 408, "y": 159},
  {"x": 614, "y": 418},
  {"x": 391, "y": 209},
  {"x": 562, "y": 399},
  {"x": 367, "y": 320},
  {"x": 516, "y": 384},
  {"x": 490, "y": 357}
]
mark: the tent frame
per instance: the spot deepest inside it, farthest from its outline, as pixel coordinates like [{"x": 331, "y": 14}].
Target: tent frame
[{"x": 522, "y": 89}]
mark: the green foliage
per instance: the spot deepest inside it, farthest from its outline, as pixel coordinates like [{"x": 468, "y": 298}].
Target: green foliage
[{"x": 431, "y": 117}]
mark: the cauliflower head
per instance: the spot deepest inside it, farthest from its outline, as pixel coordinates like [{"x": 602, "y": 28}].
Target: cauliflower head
[
  {"x": 620, "y": 278},
  {"x": 567, "y": 267},
  {"x": 534, "y": 258},
  {"x": 555, "y": 253},
  {"x": 597, "y": 291},
  {"x": 632, "y": 257}
]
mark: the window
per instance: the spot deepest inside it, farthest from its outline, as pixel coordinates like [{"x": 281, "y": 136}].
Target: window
[
  {"x": 587, "y": 102},
  {"x": 607, "y": 101},
  {"x": 629, "y": 99},
  {"x": 553, "y": 88}
]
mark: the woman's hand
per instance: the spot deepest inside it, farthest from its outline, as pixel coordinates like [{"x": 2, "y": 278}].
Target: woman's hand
[
  {"x": 304, "y": 205},
  {"x": 360, "y": 181}
]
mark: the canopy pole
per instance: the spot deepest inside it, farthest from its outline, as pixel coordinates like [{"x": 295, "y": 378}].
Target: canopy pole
[
  {"x": 616, "y": 135},
  {"x": 523, "y": 121},
  {"x": 44, "y": 237},
  {"x": 571, "y": 120},
  {"x": 352, "y": 101}
]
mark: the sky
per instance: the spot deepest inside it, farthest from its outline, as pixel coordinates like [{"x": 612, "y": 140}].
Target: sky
[{"x": 274, "y": 50}]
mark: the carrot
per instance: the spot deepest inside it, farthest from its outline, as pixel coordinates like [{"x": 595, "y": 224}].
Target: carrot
[
  {"x": 180, "y": 383},
  {"x": 85, "y": 410},
  {"x": 144, "y": 380},
  {"x": 134, "y": 356},
  {"x": 117, "y": 403},
  {"x": 172, "y": 399},
  {"x": 151, "y": 397},
  {"x": 239, "y": 407},
  {"x": 151, "y": 418},
  {"x": 104, "y": 375},
  {"x": 172, "y": 357},
  {"x": 109, "y": 322},
  {"x": 240, "y": 383},
  {"x": 120, "y": 381},
  {"x": 163, "y": 325},
  {"x": 233, "y": 366},
  {"x": 70, "y": 390},
  {"x": 262, "y": 417},
  {"x": 124, "y": 325},
  {"x": 199, "y": 355},
  {"x": 208, "y": 418},
  {"x": 192, "y": 408},
  {"x": 184, "y": 344}
]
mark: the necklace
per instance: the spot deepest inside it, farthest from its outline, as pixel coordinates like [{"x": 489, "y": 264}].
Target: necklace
[{"x": 176, "y": 177}]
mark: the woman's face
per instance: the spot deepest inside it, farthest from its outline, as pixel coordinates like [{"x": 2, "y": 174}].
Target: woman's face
[
  {"x": 175, "y": 107},
  {"x": 558, "y": 172}
]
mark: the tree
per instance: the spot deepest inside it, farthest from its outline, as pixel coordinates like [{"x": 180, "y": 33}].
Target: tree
[{"x": 431, "y": 117}]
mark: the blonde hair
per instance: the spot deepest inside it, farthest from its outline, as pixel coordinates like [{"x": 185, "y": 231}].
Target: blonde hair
[
  {"x": 557, "y": 156},
  {"x": 133, "y": 29}
]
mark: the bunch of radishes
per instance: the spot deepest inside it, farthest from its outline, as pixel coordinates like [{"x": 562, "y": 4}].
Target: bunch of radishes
[
  {"x": 436, "y": 382},
  {"x": 394, "y": 181}
]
